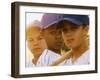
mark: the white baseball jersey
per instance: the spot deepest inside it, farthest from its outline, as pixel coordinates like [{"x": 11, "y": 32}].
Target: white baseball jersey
[
  {"x": 83, "y": 59},
  {"x": 30, "y": 64},
  {"x": 46, "y": 58}
]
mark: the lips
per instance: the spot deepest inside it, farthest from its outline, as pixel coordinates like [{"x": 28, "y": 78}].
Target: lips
[
  {"x": 58, "y": 43},
  {"x": 37, "y": 48}
]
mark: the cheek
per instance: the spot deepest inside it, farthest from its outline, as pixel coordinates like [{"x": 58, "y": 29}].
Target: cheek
[
  {"x": 64, "y": 37},
  {"x": 44, "y": 44},
  {"x": 51, "y": 39},
  {"x": 47, "y": 37},
  {"x": 78, "y": 38},
  {"x": 29, "y": 45}
]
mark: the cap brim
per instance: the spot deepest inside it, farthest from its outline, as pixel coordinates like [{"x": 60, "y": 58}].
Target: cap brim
[
  {"x": 54, "y": 22},
  {"x": 72, "y": 21}
]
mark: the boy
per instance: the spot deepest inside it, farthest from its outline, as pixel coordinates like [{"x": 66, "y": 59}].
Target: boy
[
  {"x": 52, "y": 34},
  {"x": 74, "y": 32}
]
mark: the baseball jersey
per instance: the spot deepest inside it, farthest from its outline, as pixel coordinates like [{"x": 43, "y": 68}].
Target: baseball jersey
[
  {"x": 82, "y": 60},
  {"x": 46, "y": 58}
]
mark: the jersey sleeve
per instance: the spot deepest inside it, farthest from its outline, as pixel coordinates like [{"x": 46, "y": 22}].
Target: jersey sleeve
[{"x": 47, "y": 57}]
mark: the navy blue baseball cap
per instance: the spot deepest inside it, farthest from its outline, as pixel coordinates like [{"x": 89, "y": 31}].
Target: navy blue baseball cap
[
  {"x": 76, "y": 19},
  {"x": 49, "y": 19}
]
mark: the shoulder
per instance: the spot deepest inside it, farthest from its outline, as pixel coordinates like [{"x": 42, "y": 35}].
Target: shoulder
[
  {"x": 84, "y": 58},
  {"x": 29, "y": 63},
  {"x": 47, "y": 57}
]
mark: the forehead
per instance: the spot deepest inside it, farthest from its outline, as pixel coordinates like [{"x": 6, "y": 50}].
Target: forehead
[
  {"x": 33, "y": 31},
  {"x": 66, "y": 24}
]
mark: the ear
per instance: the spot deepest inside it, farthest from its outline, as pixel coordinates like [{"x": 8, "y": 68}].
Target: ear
[{"x": 86, "y": 28}]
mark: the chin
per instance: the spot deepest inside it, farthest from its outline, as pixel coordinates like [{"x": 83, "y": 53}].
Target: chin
[{"x": 71, "y": 45}]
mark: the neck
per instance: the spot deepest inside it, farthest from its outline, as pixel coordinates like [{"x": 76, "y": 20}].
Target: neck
[
  {"x": 35, "y": 59},
  {"x": 77, "y": 52},
  {"x": 56, "y": 51}
]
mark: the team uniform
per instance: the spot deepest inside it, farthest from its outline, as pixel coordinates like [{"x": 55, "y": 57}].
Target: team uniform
[
  {"x": 84, "y": 59},
  {"x": 30, "y": 64},
  {"x": 46, "y": 58}
]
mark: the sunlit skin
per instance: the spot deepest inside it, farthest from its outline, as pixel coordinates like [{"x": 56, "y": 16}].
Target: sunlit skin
[
  {"x": 76, "y": 38},
  {"x": 36, "y": 42},
  {"x": 53, "y": 38}
]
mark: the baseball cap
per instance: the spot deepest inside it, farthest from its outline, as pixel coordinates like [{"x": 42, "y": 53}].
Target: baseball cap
[
  {"x": 49, "y": 19},
  {"x": 76, "y": 19}
]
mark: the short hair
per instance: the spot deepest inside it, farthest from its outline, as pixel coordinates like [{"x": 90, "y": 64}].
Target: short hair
[{"x": 33, "y": 28}]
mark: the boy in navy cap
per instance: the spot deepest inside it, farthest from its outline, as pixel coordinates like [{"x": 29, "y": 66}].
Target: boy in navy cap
[{"x": 74, "y": 32}]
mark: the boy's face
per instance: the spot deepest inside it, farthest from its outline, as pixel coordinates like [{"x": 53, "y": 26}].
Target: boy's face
[
  {"x": 36, "y": 43},
  {"x": 53, "y": 38},
  {"x": 73, "y": 35}
]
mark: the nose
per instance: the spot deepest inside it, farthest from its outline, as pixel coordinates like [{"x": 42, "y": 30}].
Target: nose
[
  {"x": 35, "y": 42},
  {"x": 58, "y": 36}
]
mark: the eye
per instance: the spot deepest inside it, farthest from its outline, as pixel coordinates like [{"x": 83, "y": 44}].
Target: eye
[
  {"x": 64, "y": 30},
  {"x": 73, "y": 28},
  {"x": 30, "y": 40},
  {"x": 59, "y": 31},
  {"x": 52, "y": 32},
  {"x": 40, "y": 38}
]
